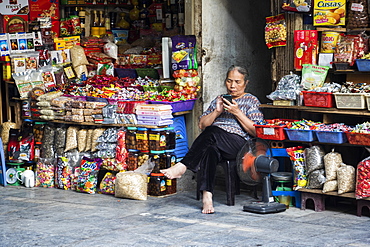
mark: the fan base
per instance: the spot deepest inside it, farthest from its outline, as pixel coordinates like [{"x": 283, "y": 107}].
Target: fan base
[{"x": 264, "y": 207}]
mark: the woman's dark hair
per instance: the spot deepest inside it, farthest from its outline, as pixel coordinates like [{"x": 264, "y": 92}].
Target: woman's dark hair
[{"x": 240, "y": 69}]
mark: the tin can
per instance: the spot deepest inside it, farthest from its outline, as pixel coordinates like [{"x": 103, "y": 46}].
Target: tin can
[{"x": 329, "y": 42}]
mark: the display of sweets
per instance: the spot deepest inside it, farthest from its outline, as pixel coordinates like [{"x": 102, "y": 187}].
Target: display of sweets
[
  {"x": 362, "y": 128},
  {"x": 304, "y": 125},
  {"x": 273, "y": 122},
  {"x": 335, "y": 127}
]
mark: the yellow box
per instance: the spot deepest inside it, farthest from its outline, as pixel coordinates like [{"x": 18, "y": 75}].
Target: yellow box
[
  {"x": 329, "y": 13},
  {"x": 66, "y": 42},
  {"x": 283, "y": 102}
]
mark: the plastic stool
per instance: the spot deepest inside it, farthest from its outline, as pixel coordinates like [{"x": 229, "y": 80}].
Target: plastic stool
[
  {"x": 318, "y": 199},
  {"x": 231, "y": 179},
  {"x": 360, "y": 205}
]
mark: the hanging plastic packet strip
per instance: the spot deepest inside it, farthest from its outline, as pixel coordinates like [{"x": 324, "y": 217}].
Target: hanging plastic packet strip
[
  {"x": 275, "y": 31},
  {"x": 296, "y": 155}
]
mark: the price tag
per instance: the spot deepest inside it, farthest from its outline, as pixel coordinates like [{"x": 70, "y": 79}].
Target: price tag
[
  {"x": 357, "y": 7},
  {"x": 269, "y": 131}
]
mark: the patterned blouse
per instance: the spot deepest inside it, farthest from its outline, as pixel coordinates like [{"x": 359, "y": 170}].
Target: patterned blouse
[{"x": 248, "y": 104}]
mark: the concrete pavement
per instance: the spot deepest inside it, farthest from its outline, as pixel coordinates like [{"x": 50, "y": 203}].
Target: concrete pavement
[{"x": 53, "y": 217}]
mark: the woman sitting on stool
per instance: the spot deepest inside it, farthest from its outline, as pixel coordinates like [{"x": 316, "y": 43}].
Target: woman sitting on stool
[{"x": 227, "y": 125}]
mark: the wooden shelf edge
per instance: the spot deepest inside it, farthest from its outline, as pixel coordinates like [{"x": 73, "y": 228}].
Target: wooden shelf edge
[
  {"x": 333, "y": 193},
  {"x": 320, "y": 110}
]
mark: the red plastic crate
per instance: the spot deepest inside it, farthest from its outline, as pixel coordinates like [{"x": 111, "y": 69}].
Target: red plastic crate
[
  {"x": 358, "y": 138},
  {"x": 271, "y": 132},
  {"x": 318, "y": 99}
]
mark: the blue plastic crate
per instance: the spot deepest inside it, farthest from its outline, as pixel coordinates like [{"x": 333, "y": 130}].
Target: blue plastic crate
[
  {"x": 331, "y": 137},
  {"x": 300, "y": 135},
  {"x": 363, "y": 64}
]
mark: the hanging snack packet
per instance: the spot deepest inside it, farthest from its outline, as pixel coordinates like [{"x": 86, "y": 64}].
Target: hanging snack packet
[
  {"x": 105, "y": 69},
  {"x": 296, "y": 155},
  {"x": 23, "y": 83},
  {"x": 297, "y": 5},
  {"x": 275, "y": 31},
  {"x": 47, "y": 74},
  {"x": 88, "y": 176},
  {"x": 63, "y": 173},
  {"x": 313, "y": 76},
  {"x": 107, "y": 184}
]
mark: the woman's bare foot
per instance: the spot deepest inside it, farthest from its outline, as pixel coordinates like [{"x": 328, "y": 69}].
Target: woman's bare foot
[
  {"x": 207, "y": 203},
  {"x": 175, "y": 171}
]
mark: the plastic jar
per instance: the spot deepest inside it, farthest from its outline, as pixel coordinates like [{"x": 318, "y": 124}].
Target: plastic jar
[
  {"x": 132, "y": 159},
  {"x": 157, "y": 139},
  {"x": 157, "y": 184},
  {"x": 170, "y": 138},
  {"x": 143, "y": 156},
  {"x": 142, "y": 141},
  {"x": 170, "y": 158},
  {"x": 171, "y": 186},
  {"x": 131, "y": 138},
  {"x": 38, "y": 131},
  {"x": 159, "y": 159}
]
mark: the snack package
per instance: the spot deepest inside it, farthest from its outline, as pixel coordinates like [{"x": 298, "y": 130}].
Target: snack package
[
  {"x": 346, "y": 178},
  {"x": 63, "y": 174},
  {"x": 314, "y": 158},
  {"x": 111, "y": 49},
  {"x": 329, "y": 13},
  {"x": 331, "y": 185},
  {"x": 275, "y": 31},
  {"x": 313, "y": 76},
  {"x": 363, "y": 179},
  {"x": 78, "y": 56},
  {"x": 132, "y": 185},
  {"x": 45, "y": 173},
  {"x": 71, "y": 139},
  {"x": 88, "y": 175},
  {"x": 332, "y": 161},
  {"x": 296, "y": 155},
  {"x": 107, "y": 184},
  {"x": 316, "y": 179},
  {"x": 297, "y": 5}
]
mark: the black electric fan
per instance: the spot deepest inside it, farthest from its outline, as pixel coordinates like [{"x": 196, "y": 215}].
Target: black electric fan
[{"x": 255, "y": 166}]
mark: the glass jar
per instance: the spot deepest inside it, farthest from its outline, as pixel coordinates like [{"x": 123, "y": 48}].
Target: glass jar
[
  {"x": 132, "y": 159},
  {"x": 157, "y": 184},
  {"x": 157, "y": 139},
  {"x": 159, "y": 159},
  {"x": 171, "y": 186},
  {"x": 131, "y": 138},
  {"x": 143, "y": 157},
  {"x": 142, "y": 141},
  {"x": 170, "y": 158},
  {"x": 122, "y": 23},
  {"x": 170, "y": 138}
]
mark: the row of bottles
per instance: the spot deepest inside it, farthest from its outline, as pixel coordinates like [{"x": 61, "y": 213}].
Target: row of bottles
[{"x": 156, "y": 14}]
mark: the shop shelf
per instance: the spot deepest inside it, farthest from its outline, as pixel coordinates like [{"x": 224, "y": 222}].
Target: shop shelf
[
  {"x": 350, "y": 100},
  {"x": 358, "y": 138},
  {"x": 331, "y": 137},
  {"x": 367, "y": 97},
  {"x": 300, "y": 135},
  {"x": 318, "y": 99}
]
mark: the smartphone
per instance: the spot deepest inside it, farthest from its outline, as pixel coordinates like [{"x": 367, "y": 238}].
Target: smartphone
[{"x": 228, "y": 97}]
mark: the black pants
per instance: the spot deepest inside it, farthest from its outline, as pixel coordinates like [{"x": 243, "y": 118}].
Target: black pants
[{"x": 209, "y": 148}]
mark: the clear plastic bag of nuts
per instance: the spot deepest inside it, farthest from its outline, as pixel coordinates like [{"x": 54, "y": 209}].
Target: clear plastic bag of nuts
[{"x": 358, "y": 16}]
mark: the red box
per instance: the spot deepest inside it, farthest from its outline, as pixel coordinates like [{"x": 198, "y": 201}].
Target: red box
[
  {"x": 358, "y": 138},
  {"x": 318, "y": 99},
  {"x": 305, "y": 47},
  {"x": 43, "y": 8},
  {"x": 15, "y": 23},
  {"x": 272, "y": 132}
]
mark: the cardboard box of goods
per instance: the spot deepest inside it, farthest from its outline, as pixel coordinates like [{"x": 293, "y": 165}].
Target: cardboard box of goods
[
  {"x": 42, "y": 8},
  {"x": 305, "y": 47},
  {"x": 15, "y": 23},
  {"x": 14, "y": 7}
]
